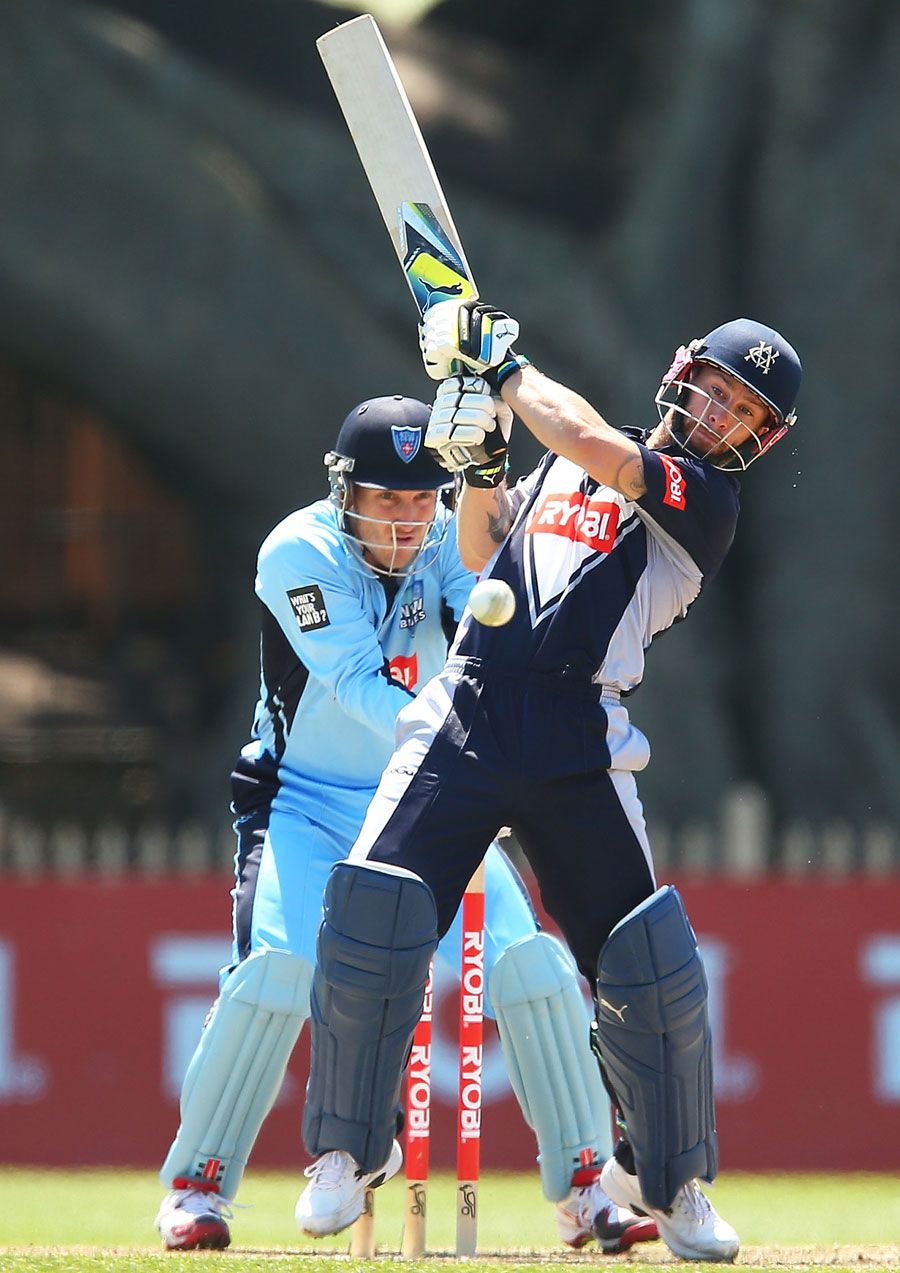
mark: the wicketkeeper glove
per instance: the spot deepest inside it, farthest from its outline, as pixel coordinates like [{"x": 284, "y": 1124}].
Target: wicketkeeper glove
[
  {"x": 460, "y": 335},
  {"x": 469, "y": 430}
]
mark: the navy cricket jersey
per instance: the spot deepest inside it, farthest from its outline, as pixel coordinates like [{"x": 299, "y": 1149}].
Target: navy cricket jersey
[{"x": 603, "y": 574}]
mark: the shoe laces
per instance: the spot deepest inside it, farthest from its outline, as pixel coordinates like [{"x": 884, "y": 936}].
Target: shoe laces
[
  {"x": 596, "y": 1202},
  {"x": 201, "y": 1201},
  {"x": 586, "y": 1208},
  {"x": 329, "y": 1171},
  {"x": 692, "y": 1200}
]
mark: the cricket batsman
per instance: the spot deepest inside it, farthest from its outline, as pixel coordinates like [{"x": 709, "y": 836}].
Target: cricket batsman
[
  {"x": 359, "y": 594},
  {"x": 607, "y": 543}
]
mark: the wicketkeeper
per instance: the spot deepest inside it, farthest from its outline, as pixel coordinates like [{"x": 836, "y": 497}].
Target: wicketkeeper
[{"x": 607, "y": 543}]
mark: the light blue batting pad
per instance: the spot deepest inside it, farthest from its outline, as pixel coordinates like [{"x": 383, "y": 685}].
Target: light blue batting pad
[
  {"x": 654, "y": 1036},
  {"x": 237, "y": 1069},
  {"x": 544, "y": 1029}
]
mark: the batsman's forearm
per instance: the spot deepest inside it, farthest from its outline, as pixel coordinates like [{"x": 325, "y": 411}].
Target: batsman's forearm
[
  {"x": 483, "y": 520},
  {"x": 568, "y": 425}
]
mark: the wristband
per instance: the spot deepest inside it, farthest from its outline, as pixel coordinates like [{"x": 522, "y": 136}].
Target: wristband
[
  {"x": 495, "y": 376},
  {"x": 488, "y": 475}
]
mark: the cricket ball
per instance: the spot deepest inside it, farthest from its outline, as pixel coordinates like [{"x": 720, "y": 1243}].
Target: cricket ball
[{"x": 492, "y": 602}]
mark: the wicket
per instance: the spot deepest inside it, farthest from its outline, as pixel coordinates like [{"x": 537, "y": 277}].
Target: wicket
[
  {"x": 418, "y": 1102},
  {"x": 418, "y": 1131},
  {"x": 471, "y": 1034}
]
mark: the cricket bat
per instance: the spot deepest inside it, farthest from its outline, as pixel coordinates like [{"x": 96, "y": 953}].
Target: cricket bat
[{"x": 396, "y": 162}]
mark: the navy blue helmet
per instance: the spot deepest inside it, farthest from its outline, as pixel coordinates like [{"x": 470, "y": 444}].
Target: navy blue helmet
[
  {"x": 381, "y": 444},
  {"x": 762, "y": 360}
]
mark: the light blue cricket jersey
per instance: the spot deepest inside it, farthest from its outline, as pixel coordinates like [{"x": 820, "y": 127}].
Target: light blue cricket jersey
[{"x": 341, "y": 654}]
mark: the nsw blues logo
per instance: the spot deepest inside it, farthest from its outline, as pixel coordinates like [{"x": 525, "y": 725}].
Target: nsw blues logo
[
  {"x": 413, "y": 612},
  {"x": 407, "y": 442}
]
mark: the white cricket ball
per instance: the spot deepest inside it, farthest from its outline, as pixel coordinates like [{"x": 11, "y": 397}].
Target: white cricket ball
[{"x": 492, "y": 602}]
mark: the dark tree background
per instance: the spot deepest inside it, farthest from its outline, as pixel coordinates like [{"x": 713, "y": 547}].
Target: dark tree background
[{"x": 188, "y": 246}]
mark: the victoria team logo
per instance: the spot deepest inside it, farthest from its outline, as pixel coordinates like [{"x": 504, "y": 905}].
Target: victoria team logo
[
  {"x": 407, "y": 442},
  {"x": 762, "y": 356}
]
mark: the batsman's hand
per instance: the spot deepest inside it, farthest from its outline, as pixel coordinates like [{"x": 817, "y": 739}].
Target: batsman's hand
[
  {"x": 469, "y": 430},
  {"x": 459, "y": 335}
]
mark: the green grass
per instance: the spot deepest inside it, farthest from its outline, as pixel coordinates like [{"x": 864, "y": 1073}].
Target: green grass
[{"x": 96, "y": 1220}]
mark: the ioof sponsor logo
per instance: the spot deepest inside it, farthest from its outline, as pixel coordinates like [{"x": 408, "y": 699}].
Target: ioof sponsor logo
[
  {"x": 574, "y": 516},
  {"x": 675, "y": 494},
  {"x": 309, "y": 607}
]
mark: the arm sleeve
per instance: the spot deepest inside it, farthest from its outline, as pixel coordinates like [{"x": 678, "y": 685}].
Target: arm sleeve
[
  {"x": 693, "y": 503},
  {"x": 318, "y": 604}
]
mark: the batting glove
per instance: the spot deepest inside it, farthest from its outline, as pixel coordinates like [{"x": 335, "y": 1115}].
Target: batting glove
[
  {"x": 456, "y": 335},
  {"x": 469, "y": 430}
]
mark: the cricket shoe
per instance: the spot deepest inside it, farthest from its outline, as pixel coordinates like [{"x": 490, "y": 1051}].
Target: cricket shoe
[
  {"x": 336, "y": 1193},
  {"x": 691, "y": 1228},
  {"x": 194, "y": 1220},
  {"x": 587, "y": 1214}
]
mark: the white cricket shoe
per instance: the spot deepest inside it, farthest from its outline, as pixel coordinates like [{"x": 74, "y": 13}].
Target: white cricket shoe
[
  {"x": 336, "y": 1193},
  {"x": 194, "y": 1220},
  {"x": 588, "y": 1214},
  {"x": 691, "y": 1228}
]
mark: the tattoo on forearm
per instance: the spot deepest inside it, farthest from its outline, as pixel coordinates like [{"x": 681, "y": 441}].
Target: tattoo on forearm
[
  {"x": 630, "y": 480},
  {"x": 499, "y": 523}
]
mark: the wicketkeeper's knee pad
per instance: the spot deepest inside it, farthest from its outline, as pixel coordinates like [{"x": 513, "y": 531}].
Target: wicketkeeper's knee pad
[
  {"x": 378, "y": 934},
  {"x": 654, "y": 1036},
  {"x": 544, "y": 1032},
  {"x": 237, "y": 1069}
]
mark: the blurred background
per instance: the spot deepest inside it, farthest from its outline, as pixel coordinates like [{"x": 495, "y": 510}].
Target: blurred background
[{"x": 196, "y": 286}]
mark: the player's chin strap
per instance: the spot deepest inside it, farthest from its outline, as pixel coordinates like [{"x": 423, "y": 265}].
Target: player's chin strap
[{"x": 654, "y": 1037}]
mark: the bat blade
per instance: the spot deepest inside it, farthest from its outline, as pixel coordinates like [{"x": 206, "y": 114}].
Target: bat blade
[
  {"x": 396, "y": 160},
  {"x": 434, "y": 270}
]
